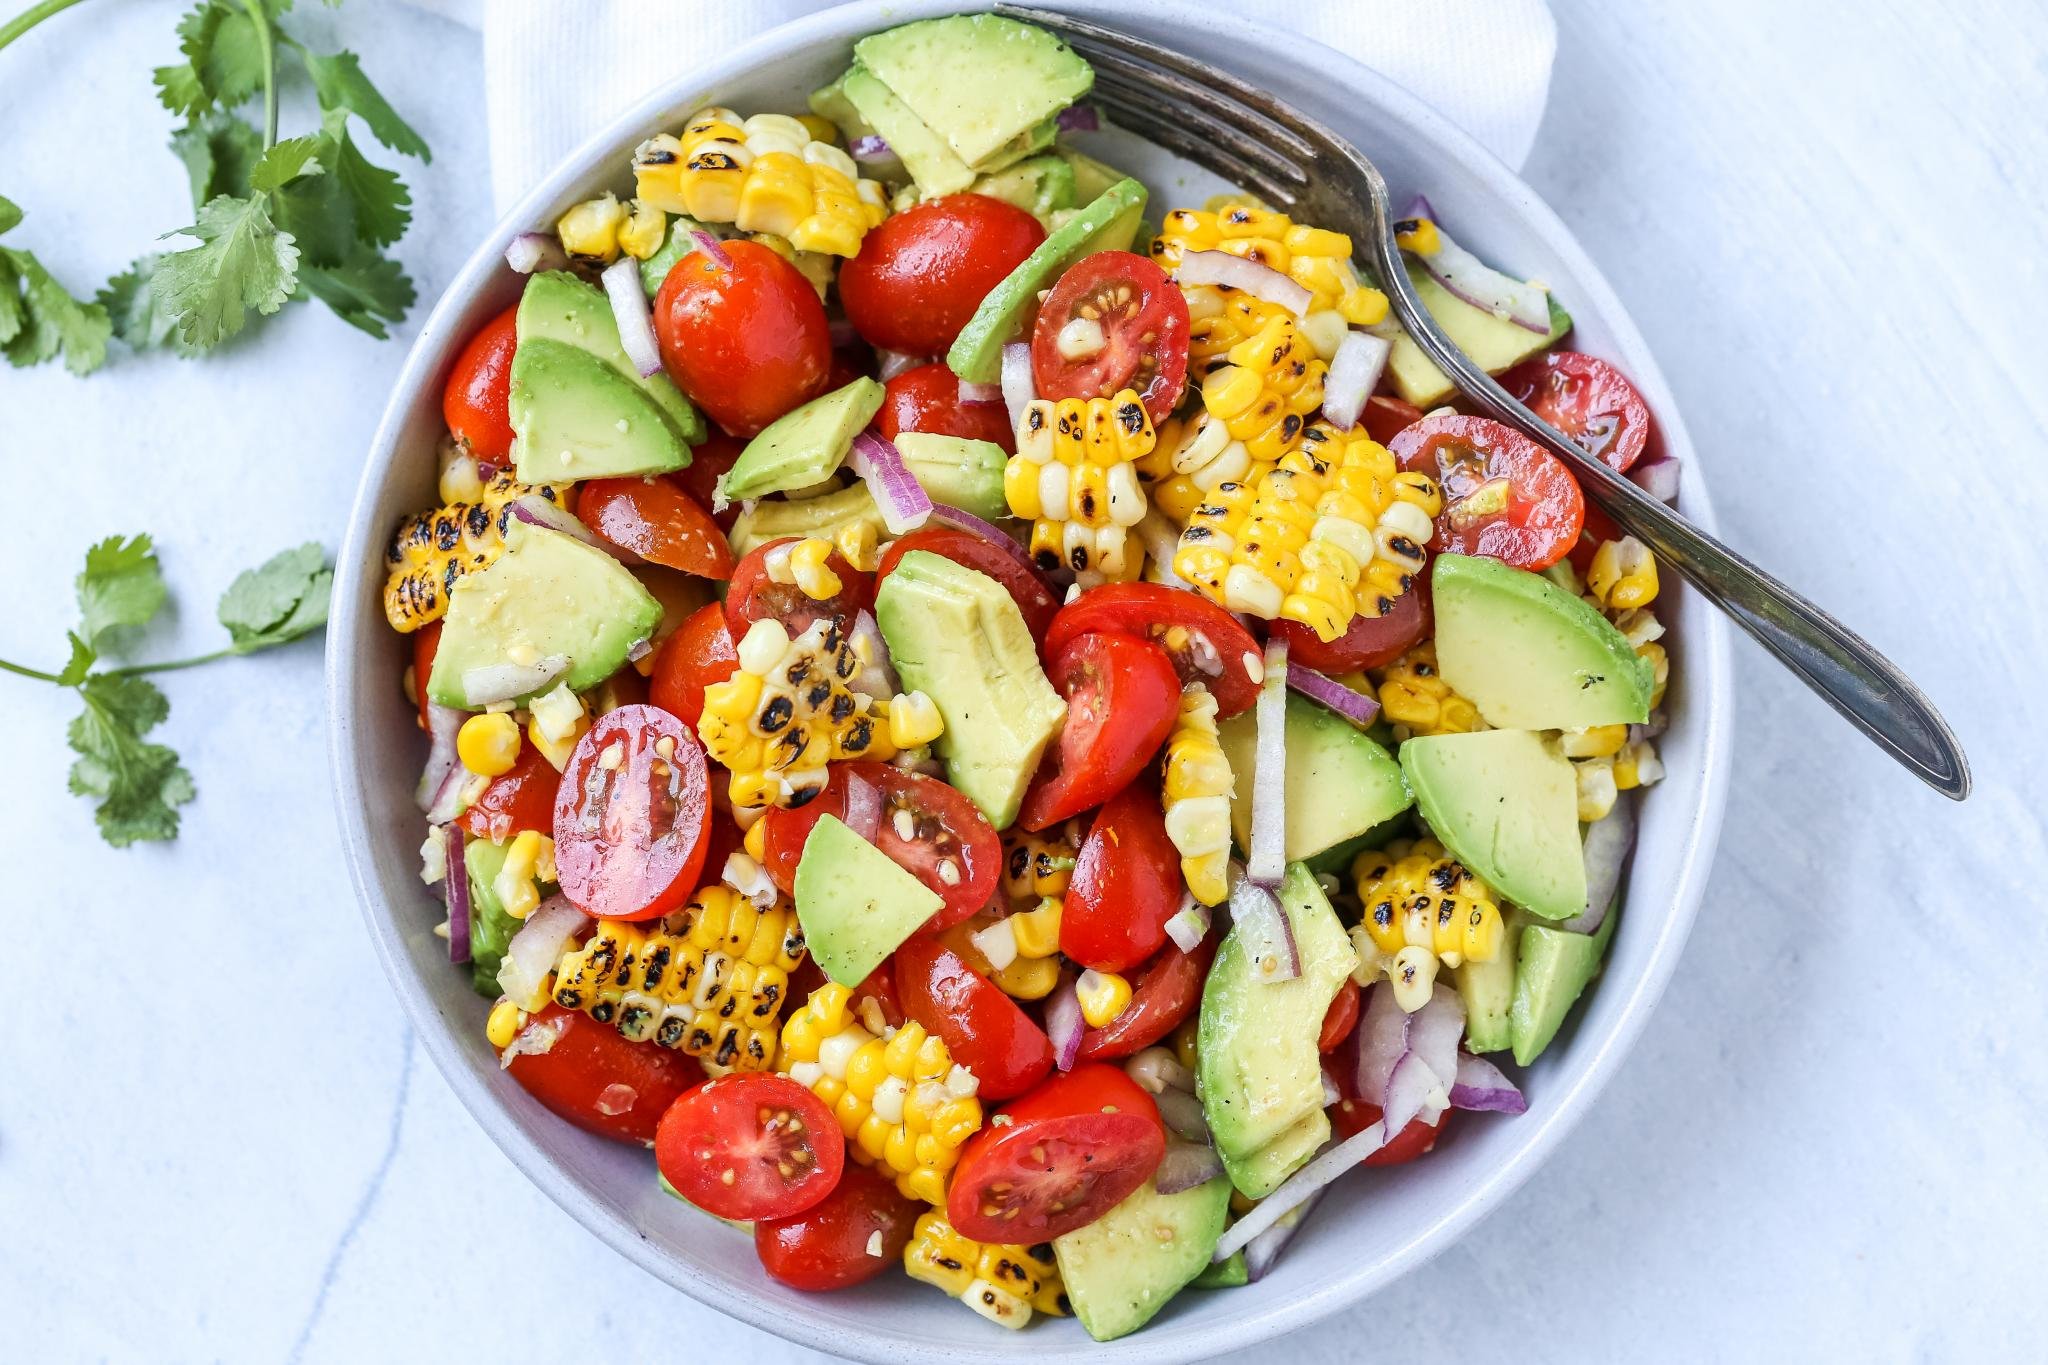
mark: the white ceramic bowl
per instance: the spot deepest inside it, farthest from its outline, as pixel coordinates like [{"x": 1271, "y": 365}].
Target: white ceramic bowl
[{"x": 1377, "y": 1224}]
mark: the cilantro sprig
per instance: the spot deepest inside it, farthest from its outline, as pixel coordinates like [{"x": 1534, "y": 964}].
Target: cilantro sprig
[{"x": 137, "y": 785}]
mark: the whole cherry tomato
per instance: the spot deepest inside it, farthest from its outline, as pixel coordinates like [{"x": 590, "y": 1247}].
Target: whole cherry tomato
[
  {"x": 747, "y": 341},
  {"x": 585, "y": 1072},
  {"x": 1205, "y": 642},
  {"x": 857, "y": 1232},
  {"x": 1164, "y": 995},
  {"x": 633, "y": 817},
  {"x": 656, "y": 520},
  {"x": 1385, "y": 418},
  {"x": 520, "y": 798},
  {"x": 476, "y": 401},
  {"x": 1588, "y": 400},
  {"x": 1026, "y": 585},
  {"x": 1504, "y": 495},
  {"x": 980, "y": 1026},
  {"x": 708, "y": 464},
  {"x": 922, "y": 273},
  {"x": 1140, "y": 319},
  {"x": 1122, "y": 699},
  {"x": 927, "y": 398},
  {"x": 699, "y": 653},
  {"x": 751, "y": 1145},
  {"x": 754, "y": 596},
  {"x": 1126, "y": 885}
]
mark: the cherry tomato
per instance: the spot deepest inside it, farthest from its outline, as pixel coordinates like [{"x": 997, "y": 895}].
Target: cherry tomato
[
  {"x": 1352, "y": 1117},
  {"x": 1340, "y": 1018},
  {"x": 480, "y": 389},
  {"x": 1144, "y": 322},
  {"x": 1126, "y": 885},
  {"x": 980, "y": 1026},
  {"x": 1205, "y": 642},
  {"x": 850, "y": 362},
  {"x": 1369, "y": 641},
  {"x": 1071, "y": 1151},
  {"x": 1122, "y": 698},
  {"x": 1599, "y": 529},
  {"x": 922, "y": 273},
  {"x": 631, "y": 835},
  {"x": 1588, "y": 400},
  {"x": 747, "y": 342},
  {"x": 751, "y": 1145},
  {"x": 585, "y": 1072},
  {"x": 521, "y": 798},
  {"x": 699, "y": 653},
  {"x": 880, "y": 986},
  {"x": 1162, "y": 998},
  {"x": 1027, "y": 587},
  {"x": 831, "y": 1245},
  {"x": 928, "y": 399},
  {"x": 623, "y": 688},
  {"x": 946, "y": 827},
  {"x": 753, "y": 596},
  {"x": 708, "y": 463},
  {"x": 425, "y": 641},
  {"x": 1385, "y": 417},
  {"x": 1504, "y": 495},
  {"x": 656, "y": 520}
]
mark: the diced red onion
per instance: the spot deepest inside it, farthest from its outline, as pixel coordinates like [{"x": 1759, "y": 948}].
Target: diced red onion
[
  {"x": 458, "y": 896},
  {"x": 863, "y": 806},
  {"x": 1465, "y": 275},
  {"x": 713, "y": 248},
  {"x": 948, "y": 515},
  {"x": 1263, "y": 1250},
  {"x": 531, "y": 251},
  {"x": 978, "y": 394},
  {"x": 840, "y": 332},
  {"x": 1189, "y": 925},
  {"x": 1412, "y": 1091},
  {"x": 877, "y": 675},
  {"x": 1608, "y": 841},
  {"x": 1186, "y": 1165},
  {"x": 629, "y": 310},
  {"x": 490, "y": 683},
  {"x": 639, "y": 650},
  {"x": 903, "y": 502},
  {"x": 1064, "y": 1025},
  {"x": 1157, "y": 1070},
  {"x": 1079, "y": 118},
  {"x": 1481, "y": 1086},
  {"x": 1355, "y": 707},
  {"x": 1354, "y": 374},
  {"x": 1239, "y": 272},
  {"x": 1018, "y": 386},
  {"x": 1434, "y": 1032},
  {"x": 1266, "y": 932},
  {"x": 889, "y": 364},
  {"x": 444, "y": 723},
  {"x": 1379, "y": 1041},
  {"x": 1267, "y": 862},
  {"x": 1658, "y": 477},
  {"x": 537, "y": 947},
  {"x": 535, "y": 510},
  {"x": 448, "y": 799},
  {"x": 1182, "y": 1114},
  {"x": 869, "y": 147}
]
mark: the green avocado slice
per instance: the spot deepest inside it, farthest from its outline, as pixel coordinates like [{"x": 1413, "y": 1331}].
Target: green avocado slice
[
  {"x": 1121, "y": 1269},
  {"x": 803, "y": 447},
  {"x": 856, "y": 906},
  {"x": 1505, "y": 802}
]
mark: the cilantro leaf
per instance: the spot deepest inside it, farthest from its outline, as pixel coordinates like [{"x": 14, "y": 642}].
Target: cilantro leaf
[
  {"x": 13, "y": 312},
  {"x": 121, "y": 585},
  {"x": 341, "y": 86},
  {"x": 140, "y": 314},
  {"x": 219, "y": 151},
  {"x": 243, "y": 261},
  {"x": 383, "y": 206},
  {"x": 287, "y": 161},
  {"x": 138, "y": 785},
  {"x": 223, "y": 63},
  {"x": 282, "y": 599},
  {"x": 366, "y": 291},
  {"x": 10, "y": 214},
  {"x": 40, "y": 320},
  {"x": 83, "y": 657}
]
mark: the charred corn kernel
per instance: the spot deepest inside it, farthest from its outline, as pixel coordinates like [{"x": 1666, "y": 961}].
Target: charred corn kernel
[
  {"x": 488, "y": 745},
  {"x": 709, "y": 980},
  {"x": 902, "y": 1103},
  {"x": 557, "y": 750},
  {"x": 461, "y": 479},
  {"x": 1637, "y": 765},
  {"x": 1600, "y": 741},
  {"x": 859, "y": 545},
  {"x": 1075, "y": 478},
  {"x": 805, "y": 565},
  {"x": 1417, "y": 701},
  {"x": 1660, "y": 670},
  {"x": 767, "y": 174},
  {"x": 1421, "y": 904},
  {"x": 1418, "y": 235},
  {"x": 1315, "y": 258},
  {"x": 431, "y": 550},
  {"x": 1623, "y": 575},
  {"x": 1197, "y": 791},
  {"x": 1039, "y": 866},
  {"x": 529, "y": 861},
  {"x": 787, "y": 712},
  {"x": 914, "y": 719},
  {"x": 1103, "y": 996},
  {"x": 1028, "y": 978},
  {"x": 590, "y": 230},
  {"x": 1037, "y": 930},
  {"x": 1004, "y": 1284},
  {"x": 1597, "y": 787},
  {"x": 643, "y": 232},
  {"x": 504, "y": 1024}
]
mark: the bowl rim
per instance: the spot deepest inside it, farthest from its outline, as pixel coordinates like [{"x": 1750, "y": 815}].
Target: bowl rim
[{"x": 1708, "y": 683}]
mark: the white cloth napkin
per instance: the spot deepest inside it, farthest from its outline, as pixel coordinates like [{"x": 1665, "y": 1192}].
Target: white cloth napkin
[{"x": 557, "y": 70}]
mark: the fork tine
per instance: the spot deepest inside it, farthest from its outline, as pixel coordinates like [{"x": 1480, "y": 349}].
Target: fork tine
[
  {"x": 1206, "y": 112},
  {"x": 1144, "y": 119}
]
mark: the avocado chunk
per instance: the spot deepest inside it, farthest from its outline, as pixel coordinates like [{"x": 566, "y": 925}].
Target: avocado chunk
[
  {"x": 1039, "y": 185},
  {"x": 1530, "y": 655},
  {"x": 679, "y": 243},
  {"x": 1488, "y": 988},
  {"x": 826, "y": 516},
  {"x": 1340, "y": 784},
  {"x": 1506, "y": 803},
  {"x": 983, "y": 83},
  {"x": 1122, "y": 1268},
  {"x": 831, "y": 104},
  {"x": 924, "y": 154},
  {"x": 856, "y": 906},
  {"x": 1230, "y": 1273},
  {"x": 1259, "y": 1076},
  {"x": 957, "y": 470},
  {"x": 956, "y": 635},
  {"x": 803, "y": 447},
  {"x": 1552, "y": 970},
  {"x": 1493, "y": 343},
  {"x": 1091, "y": 177},
  {"x": 547, "y": 594},
  {"x": 1110, "y": 223},
  {"x": 490, "y": 926}
]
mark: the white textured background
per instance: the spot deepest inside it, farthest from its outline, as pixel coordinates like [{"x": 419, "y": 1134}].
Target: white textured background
[{"x": 217, "y": 1140}]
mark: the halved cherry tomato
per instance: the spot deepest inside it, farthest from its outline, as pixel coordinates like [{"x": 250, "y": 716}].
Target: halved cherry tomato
[
  {"x": 1126, "y": 885},
  {"x": 1026, "y": 586},
  {"x": 1064, "y": 1155},
  {"x": 927, "y": 398},
  {"x": 623, "y": 688},
  {"x": 1599, "y": 528},
  {"x": 425, "y": 641},
  {"x": 1205, "y": 642},
  {"x": 699, "y": 653},
  {"x": 1163, "y": 996},
  {"x": 587, "y": 1073},
  {"x": 980, "y": 1026},
  {"x": 747, "y": 342},
  {"x": 1144, "y": 324},
  {"x": 945, "y": 828},
  {"x": 753, "y": 596},
  {"x": 1352, "y": 1117},
  {"x": 752, "y": 1145},
  {"x": 922, "y": 273},
  {"x": 1588, "y": 400},
  {"x": 520, "y": 798},
  {"x": 832, "y": 1244},
  {"x": 1340, "y": 1018},
  {"x": 708, "y": 464},
  {"x": 658, "y": 521},
  {"x": 1385, "y": 417},
  {"x": 1122, "y": 698},
  {"x": 631, "y": 834},
  {"x": 475, "y": 403},
  {"x": 1369, "y": 641},
  {"x": 880, "y": 986},
  {"x": 1504, "y": 495}
]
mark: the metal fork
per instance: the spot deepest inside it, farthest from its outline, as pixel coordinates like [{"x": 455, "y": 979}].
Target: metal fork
[{"x": 1295, "y": 164}]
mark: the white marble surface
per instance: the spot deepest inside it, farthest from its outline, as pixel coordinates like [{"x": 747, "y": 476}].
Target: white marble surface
[{"x": 218, "y": 1140}]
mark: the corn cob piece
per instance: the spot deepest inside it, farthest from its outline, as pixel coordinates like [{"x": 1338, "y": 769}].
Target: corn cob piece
[
  {"x": 1005, "y": 1284},
  {"x": 710, "y": 981},
  {"x": 1075, "y": 478},
  {"x": 900, "y": 1100},
  {"x": 766, "y": 174},
  {"x": 1314, "y": 258},
  {"x": 1417, "y": 701},
  {"x": 1422, "y": 906},
  {"x": 1198, "y": 788},
  {"x": 431, "y": 550}
]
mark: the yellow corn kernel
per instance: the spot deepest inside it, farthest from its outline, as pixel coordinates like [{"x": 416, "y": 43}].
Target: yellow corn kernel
[
  {"x": 1418, "y": 235},
  {"x": 810, "y": 568},
  {"x": 1419, "y": 899},
  {"x": 1184, "y": 1043},
  {"x": 1597, "y": 788},
  {"x": 643, "y": 232},
  {"x": 1004, "y": 1284},
  {"x": 1075, "y": 478},
  {"x": 1196, "y": 791},
  {"x": 1028, "y": 978},
  {"x": 787, "y": 712},
  {"x": 504, "y": 1024},
  {"x": 590, "y": 230},
  {"x": 431, "y": 550},
  {"x": 1623, "y": 575},
  {"x": 1660, "y": 670},
  {"x": 1637, "y": 765},
  {"x": 1103, "y": 996},
  {"x": 1599, "y": 741},
  {"x": 859, "y": 545},
  {"x": 1038, "y": 930},
  {"x": 914, "y": 720},
  {"x": 557, "y": 751},
  {"x": 488, "y": 745},
  {"x": 529, "y": 861},
  {"x": 1414, "y": 697}
]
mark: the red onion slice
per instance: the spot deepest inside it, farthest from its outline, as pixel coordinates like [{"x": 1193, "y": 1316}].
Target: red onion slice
[
  {"x": 1658, "y": 478},
  {"x": 444, "y": 723},
  {"x": 490, "y": 683},
  {"x": 889, "y": 364},
  {"x": 629, "y": 310},
  {"x": 1412, "y": 1092},
  {"x": 1079, "y": 118},
  {"x": 1300, "y": 1187},
  {"x": 1379, "y": 1041},
  {"x": 1608, "y": 841},
  {"x": 1237, "y": 272},
  {"x": 1267, "y": 862},
  {"x": 531, "y": 251},
  {"x": 948, "y": 515},
  {"x": 877, "y": 675},
  {"x": 1266, "y": 932},
  {"x": 1064, "y": 1024},
  {"x": 1186, "y": 1165},
  {"x": 1481, "y": 1086},
  {"x": 1264, "y": 1249},
  {"x": 863, "y": 807},
  {"x": 1354, "y": 374},
  {"x": 1465, "y": 275},
  {"x": 713, "y": 248},
  {"x": 535, "y": 510},
  {"x": 1182, "y": 1114},
  {"x": 448, "y": 798},
  {"x": 1018, "y": 386},
  {"x": 536, "y": 948},
  {"x": 971, "y": 393},
  {"x": 903, "y": 502},
  {"x": 639, "y": 650},
  {"x": 1324, "y": 690},
  {"x": 871, "y": 147},
  {"x": 1189, "y": 925},
  {"x": 1434, "y": 1032},
  {"x": 458, "y": 896},
  {"x": 839, "y": 331}
]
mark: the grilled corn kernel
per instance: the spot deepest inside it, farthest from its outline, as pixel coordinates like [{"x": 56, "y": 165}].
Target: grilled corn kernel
[
  {"x": 1039, "y": 865},
  {"x": 787, "y": 712},
  {"x": 804, "y": 565},
  {"x": 504, "y": 1024},
  {"x": 859, "y": 544},
  {"x": 1316, "y": 259},
  {"x": 590, "y": 230},
  {"x": 1599, "y": 741},
  {"x": 768, "y": 175},
  {"x": 461, "y": 477},
  {"x": 432, "y": 550},
  {"x": 1028, "y": 978},
  {"x": 1417, "y": 701},
  {"x": 1197, "y": 791},
  {"x": 1103, "y": 996},
  {"x": 914, "y": 720},
  {"x": 1623, "y": 575},
  {"x": 1597, "y": 788},
  {"x": 643, "y": 232},
  {"x": 1421, "y": 905},
  {"x": 1004, "y": 1284},
  {"x": 488, "y": 745},
  {"x": 529, "y": 861},
  {"x": 1075, "y": 478}
]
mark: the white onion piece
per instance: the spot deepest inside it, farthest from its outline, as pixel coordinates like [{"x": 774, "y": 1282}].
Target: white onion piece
[
  {"x": 889, "y": 364},
  {"x": 1186, "y": 1165},
  {"x": 629, "y": 310},
  {"x": 1658, "y": 478},
  {"x": 1236, "y": 272},
  {"x": 1267, "y": 933},
  {"x": 997, "y": 942},
  {"x": 1481, "y": 1086},
  {"x": 1064, "y": 1024},
  {"x": 1479, "y": 284},
  {"x": 1354, "y": 374},
  {"x": 1162, "y": 541},
  {"x": 537, "y": 1039},
  {"x": 536, "y": 948},
  {"x": 1019, "y": 388},
  {"x": 1379, "y": 1041},
  {"x": 1434, "y": 1032},
  {"x": 443, "y": 724},
  {"x": 457, "y": 887},
  {"x": 531, "y": 251},
  {"x": 749, "y": 879},
  {"x": 980, "y": 393},
  {"x": 491, "y": 683},
  {"x": 1157, "y": 1070},
  {"x": 1413, "y": 1091},
  {"x": 1264, "y": 1249},
  {"x": 1267, "y": 862},
  {"x": 877, "y": 676},
  {"x": 1300, "y": 1187},
  {"x": 1355, "y": 707},
  {"x": 903, "y": 502},
  {"x": 863, "y": 807},
  {"x": 1189, "y": 925},
  {"x": 1608, "y": 841}
]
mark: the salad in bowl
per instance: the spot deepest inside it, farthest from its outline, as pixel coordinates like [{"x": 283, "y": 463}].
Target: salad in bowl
[{"x": 1012, "y": 732}]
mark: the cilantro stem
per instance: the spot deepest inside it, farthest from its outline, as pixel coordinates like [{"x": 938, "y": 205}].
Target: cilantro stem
[
  {"x": 261, "y": 20},
  {"x": 30, "y": 17},
  {"x": 136, "y": 670},
  {"x": 35, "y": 673}
]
